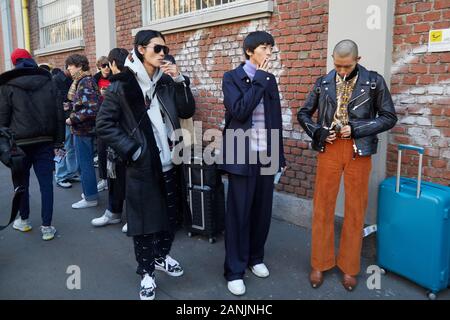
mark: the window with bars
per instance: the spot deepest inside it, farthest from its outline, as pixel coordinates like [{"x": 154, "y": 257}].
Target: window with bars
[
  {"x": 154, "y": 10},
  {"x": 60, "y": 21}
]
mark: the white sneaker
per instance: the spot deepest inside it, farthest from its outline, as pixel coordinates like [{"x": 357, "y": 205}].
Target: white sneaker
[
  {"x": 237, "y": 287},
  {"x": 82, "y": 204},
  {"x": 169, "y": 265},
  {"x": 64, "y": 184},
  {"x": 148, "y": 287},
  {"x": 107, "y": 218},
  {"x": 22, "y": 225},
  {"x": 48, "y": 233},
  {"x": 125, "y": 228},
  {"x": 102, "y": 185},
  {"x": 260, "y": 270}
]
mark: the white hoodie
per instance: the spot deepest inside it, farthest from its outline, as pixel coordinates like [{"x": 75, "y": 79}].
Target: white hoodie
[{"x": 162, "y": 130}]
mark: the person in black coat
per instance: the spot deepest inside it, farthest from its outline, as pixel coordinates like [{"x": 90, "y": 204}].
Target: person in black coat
[
  {"x": 116, "y": 170},
  {"x": 66, "y": 170},
  {"x": 252, "y": 104},
  {"x": 29, "y": 109},
  {"x": 139, "y": 111}
]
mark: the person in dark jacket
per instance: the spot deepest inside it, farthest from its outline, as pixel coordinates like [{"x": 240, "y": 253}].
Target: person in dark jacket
[
  {"x": 140, "y": 110},
  {"x": 116, "y": 170},
  {"x": 28, "y": 107},
  {"x": 102, "y": 78},
  {"x": 83, "y": 103},
  {"x": 353, "y": 105},
  {"x": 66, "y": 170},
  {"x": 252, "y": 104}
]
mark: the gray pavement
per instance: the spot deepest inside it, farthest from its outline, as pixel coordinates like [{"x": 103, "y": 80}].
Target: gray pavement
[{"x": 33, "y": 269}]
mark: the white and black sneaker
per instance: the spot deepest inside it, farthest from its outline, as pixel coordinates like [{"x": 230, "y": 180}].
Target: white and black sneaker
[
  {"x": 64, "y": 184},
  {"x": 148, "y": 287},
  {"x": 169, "y": 266}
]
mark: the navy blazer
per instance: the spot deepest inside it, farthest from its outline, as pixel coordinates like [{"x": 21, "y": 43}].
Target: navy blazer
[{"x": 241, "y": 97}]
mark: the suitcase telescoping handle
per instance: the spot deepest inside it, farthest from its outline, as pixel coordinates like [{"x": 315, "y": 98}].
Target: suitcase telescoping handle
[{"x": 420, "y": 150}]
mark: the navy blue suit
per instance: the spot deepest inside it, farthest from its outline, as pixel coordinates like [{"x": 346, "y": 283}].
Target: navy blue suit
[{"x": 250, "y": 194}]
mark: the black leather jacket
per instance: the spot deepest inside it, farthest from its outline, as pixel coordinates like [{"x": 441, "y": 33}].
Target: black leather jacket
[{"x": 371, "y": 110}]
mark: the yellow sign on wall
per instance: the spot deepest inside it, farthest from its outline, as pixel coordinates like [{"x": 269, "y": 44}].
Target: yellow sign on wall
[{"x": 439, "y": 40}]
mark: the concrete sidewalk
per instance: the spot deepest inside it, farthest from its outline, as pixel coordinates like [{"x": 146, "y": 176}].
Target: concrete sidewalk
[{"x": 33, "y": 269}]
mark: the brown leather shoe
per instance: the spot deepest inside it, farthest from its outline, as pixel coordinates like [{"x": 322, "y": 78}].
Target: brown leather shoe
[
  {"x": 349, "y": 282},
  {"x": 316, "y": 278}
]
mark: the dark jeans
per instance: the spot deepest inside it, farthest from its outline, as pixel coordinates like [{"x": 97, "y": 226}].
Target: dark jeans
[
  {"x": 157, "y": 245},
  {"x": 101, "y": 152},
  {"x": 116, "y": 189},
  {"x": 40, "y": 157}
]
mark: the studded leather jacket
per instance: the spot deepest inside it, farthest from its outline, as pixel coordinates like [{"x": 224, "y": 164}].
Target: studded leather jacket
[{"x": 370, "y": 110}]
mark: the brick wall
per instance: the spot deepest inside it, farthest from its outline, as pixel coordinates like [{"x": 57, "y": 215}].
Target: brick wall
[
  {"x": 421, "y": 89},
  {"x": 58, "y": 60},
  {"x": 128, "y": 17}
]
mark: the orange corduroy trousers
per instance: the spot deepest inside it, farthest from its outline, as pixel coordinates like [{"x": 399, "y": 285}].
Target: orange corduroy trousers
[{"x": 338, "y": 159}]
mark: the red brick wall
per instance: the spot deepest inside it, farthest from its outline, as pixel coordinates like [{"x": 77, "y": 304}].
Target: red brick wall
[
  {"x": 58, "y": 60},
  {"x": 128, "y": 17},
  {"x": 421, "y": 89}
]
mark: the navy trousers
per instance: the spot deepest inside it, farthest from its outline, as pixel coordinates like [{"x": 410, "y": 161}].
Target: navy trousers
[
  {"x": 40, "y": 157},
  {"x": 247, "y": 222}
]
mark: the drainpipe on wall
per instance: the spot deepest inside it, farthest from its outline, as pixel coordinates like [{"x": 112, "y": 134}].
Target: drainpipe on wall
[
  {"x": 26, "y": 25},
  {"x": 5, "y": 12}
]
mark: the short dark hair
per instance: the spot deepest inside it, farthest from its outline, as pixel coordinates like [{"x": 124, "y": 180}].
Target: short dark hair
[
  {"x": 255, "y": 39},
  {"x": 118, "y": 55},
  {"x": 45, "y": 67},
  {"x": 78, "y": 60},
  {"x": 55, "y": 71},
  {"x": 143, "y": 38}
]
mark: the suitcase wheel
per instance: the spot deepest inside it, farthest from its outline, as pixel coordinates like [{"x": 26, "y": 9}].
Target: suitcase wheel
[
  {"x": 212, "y": 240},
  {"x": 431, "y": 295}
]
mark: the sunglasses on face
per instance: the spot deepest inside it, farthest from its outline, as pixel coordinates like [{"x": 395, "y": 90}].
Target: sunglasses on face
[
  {"x": 157, "y": 48},
  {"x": 105, "y": 65}
]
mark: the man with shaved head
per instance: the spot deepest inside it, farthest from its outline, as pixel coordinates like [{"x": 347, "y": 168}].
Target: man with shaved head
[{"x": 353, "y": 105}]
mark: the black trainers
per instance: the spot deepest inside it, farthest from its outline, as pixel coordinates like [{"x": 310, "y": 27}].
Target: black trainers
[
  {"x": 148, "y": 287},
  {"x": 169, "y": 266}
]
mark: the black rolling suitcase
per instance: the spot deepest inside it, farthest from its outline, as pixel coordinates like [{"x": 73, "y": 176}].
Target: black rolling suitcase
[{"x": 206, "y": 198}]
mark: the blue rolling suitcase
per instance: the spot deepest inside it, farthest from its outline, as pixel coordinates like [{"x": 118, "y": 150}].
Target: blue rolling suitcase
[{"x": 414, "y": 229}]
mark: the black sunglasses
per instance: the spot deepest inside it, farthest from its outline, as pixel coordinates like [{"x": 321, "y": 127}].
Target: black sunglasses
[
  {"x": 105, "y": 65},
  {"x": 157, "y": 48}
]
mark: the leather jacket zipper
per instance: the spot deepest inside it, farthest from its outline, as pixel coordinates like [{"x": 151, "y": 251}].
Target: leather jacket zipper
[
  {"x": 185, "y": 92},
  {"x": 357, "y": 106},
  {"x": 165, "y": 110},
  {"x": 356, "y": 97},
  {"x": 365, "y": 125}
]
